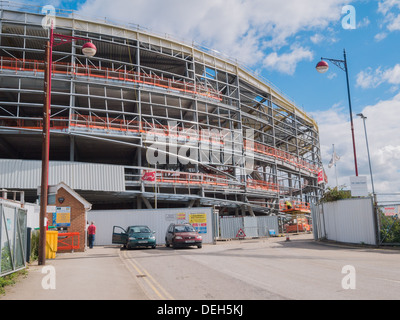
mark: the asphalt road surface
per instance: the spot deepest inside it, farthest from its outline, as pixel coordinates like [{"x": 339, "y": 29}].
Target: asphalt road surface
[{"x": 266, "y": 269}]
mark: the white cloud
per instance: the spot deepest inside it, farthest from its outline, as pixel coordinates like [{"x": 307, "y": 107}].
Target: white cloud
[
  {"x": 392, "y": 76},
  {"x": 243, "y": 29},
  {"x": 363, "y": 23},
  {"x": 380, "y": 36},
  {"x": 287, "y": 62},
  {"x": 391, "y": 16},
  {"x": 317, "y": 38},
  {"x": 386, "y": 5},
  {"x": 384, "y": 144},
  {"x": 370, "y": 78}
]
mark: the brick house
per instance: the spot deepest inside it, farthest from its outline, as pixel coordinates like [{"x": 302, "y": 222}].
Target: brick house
[{"x": 68, "y": 200}]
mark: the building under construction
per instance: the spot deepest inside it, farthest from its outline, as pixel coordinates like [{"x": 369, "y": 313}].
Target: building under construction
[{"x": 149, "y": 122}]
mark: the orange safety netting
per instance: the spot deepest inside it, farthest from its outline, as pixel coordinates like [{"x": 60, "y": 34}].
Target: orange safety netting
[{"x": 111, "y": 74}]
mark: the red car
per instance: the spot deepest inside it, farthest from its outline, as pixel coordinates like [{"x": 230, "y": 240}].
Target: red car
[{"x": 182, "y": 235}]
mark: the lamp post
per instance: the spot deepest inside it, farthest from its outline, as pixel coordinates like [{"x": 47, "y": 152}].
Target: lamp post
[
  {"x": 369, "y": 157},
  {"x": 323, "y": 67},
  {"x": 89, "y": 50}
]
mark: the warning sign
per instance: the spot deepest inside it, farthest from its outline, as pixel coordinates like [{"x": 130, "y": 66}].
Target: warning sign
[
  {"x": 241, "y": 234},
  {"x": 198, "y": 218}
]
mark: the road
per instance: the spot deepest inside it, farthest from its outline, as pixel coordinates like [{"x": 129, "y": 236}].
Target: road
[{"x": 266, "y": 269}]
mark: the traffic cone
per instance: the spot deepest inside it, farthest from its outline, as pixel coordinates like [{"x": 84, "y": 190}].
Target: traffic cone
[{"x": 287, "y": 237}]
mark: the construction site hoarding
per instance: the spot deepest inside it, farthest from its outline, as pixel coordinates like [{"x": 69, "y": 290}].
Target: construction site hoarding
[{"x": 157, "y": 220}]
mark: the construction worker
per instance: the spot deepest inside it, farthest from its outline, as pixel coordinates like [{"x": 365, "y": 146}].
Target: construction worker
[{"x": 288, "y": 205}]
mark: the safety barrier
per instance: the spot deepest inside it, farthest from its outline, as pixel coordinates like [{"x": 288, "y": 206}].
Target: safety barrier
[
  {"x": 13, "y": 233},
  {"x": 185, "y": 178},
  {"x": 262, "y": 185},
  {"x": 152, "y": 176},
  {"x": 123, "y": 75},
  {"x": 68, "y": 241},
  {"x": 281, "y": 155}
]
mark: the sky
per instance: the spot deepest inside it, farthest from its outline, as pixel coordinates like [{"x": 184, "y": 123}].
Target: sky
[{"x": 283, "y": 41}]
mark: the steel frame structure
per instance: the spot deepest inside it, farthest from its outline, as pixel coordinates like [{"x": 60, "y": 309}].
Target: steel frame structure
[{"x": 142, "y": 90}]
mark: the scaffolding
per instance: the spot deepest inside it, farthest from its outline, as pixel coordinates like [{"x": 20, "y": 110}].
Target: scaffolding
[{"x": 230, "y": 139}]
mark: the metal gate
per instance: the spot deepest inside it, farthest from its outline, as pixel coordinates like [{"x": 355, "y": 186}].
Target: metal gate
[
  {"x": 388, "y": 211},
  {"x": 13, "y": 237},
  {"x": 252, "y": 227}
]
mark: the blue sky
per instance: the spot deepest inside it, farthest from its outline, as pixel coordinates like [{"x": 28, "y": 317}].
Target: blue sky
[{"x": 283, "y": 41}]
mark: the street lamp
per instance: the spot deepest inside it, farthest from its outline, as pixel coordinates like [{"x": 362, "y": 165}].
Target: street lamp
[
  {"x": 89, "y": 50},
  {"x": 323, "y": 67},
  {"x": 369, "y": 157}
]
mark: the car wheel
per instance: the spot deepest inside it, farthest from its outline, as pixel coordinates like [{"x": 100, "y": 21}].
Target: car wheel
[
  {"x": 200, "y": 246},
  {"x": 153, "y": 247},
  {"x": 166, "y": 243}
]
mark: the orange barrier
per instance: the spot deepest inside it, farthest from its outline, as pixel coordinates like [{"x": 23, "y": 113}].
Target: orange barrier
[
  {"x": 280, "y": 154},
  {"x": 68, "y": 241},
  {"x": 302, "y": 227},
  {"x": 262, "y": 185},
  {"x": 174, "y": 177},
  {"x": 177, "y": 177},
  {"x": 124, "y": 75}
]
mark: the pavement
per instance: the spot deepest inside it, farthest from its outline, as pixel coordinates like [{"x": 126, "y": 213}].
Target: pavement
[{"x": 96, "y": 274}]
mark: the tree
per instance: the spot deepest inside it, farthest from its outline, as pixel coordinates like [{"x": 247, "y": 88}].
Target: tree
[{"x": 334, "y": 194}]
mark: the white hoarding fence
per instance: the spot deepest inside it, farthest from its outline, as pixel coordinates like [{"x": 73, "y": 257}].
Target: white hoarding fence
[
  {"x": 157, "y": 220},
  {"x": 347, "y": 221}
]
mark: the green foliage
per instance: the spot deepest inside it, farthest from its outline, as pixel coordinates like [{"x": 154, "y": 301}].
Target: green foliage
[
  {"x": 390, "y": 229},
  {"x": 35, "y": 245},
  {"x": 334, "y": 194},
  {"x": 10, "y": 279}
]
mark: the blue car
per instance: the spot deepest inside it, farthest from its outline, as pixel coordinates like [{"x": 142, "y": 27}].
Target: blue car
[{"x": 134, "y": 237}]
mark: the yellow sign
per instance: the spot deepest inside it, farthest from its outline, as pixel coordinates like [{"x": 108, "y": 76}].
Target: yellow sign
[
  {"x": 63, "y": 217},
  {"x": 181, "y": 216},
  {"x": 198, "y": 218}
]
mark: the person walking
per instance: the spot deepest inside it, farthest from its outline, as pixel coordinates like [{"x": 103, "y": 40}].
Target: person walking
[{"x": 92, "y": 233}]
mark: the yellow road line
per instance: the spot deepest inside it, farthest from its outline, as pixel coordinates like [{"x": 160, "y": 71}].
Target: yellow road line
[
  {"x": 155, "y": 282},
  {"x": 148, "y": 278},
  {"x": 125, "y": 261}
]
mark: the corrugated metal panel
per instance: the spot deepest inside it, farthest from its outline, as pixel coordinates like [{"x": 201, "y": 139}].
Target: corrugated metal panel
[
  {"x": 318, "y": 223},
  {"x": 24, "y": 174},
  {"x": 350, "y": 221},
  {"x": 267, "y": 223},
  {"x": 250, "y": 227},
  {"x": 230, "y": 226},
  {"x": 156, "y": 220}
]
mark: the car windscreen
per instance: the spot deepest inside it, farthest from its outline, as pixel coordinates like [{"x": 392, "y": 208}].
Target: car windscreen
[
  {"x": 139, "y": 230},
  {"x": 185, "y": 228}
]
